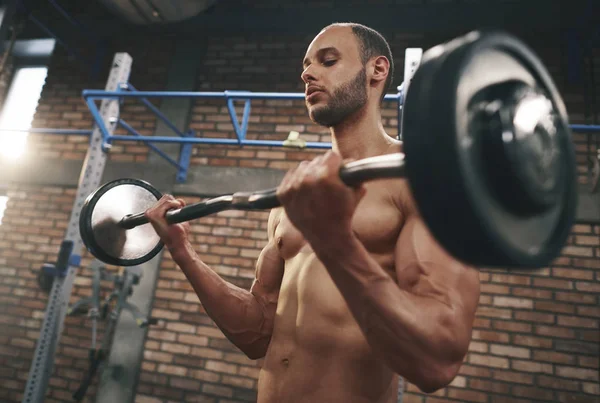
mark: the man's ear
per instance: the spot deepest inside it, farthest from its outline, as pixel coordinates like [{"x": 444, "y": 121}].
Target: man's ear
[{"x": 381, "y": 69}]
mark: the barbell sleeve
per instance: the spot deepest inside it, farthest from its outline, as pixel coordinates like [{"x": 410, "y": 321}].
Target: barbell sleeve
[{"x": 352, "y": 174}]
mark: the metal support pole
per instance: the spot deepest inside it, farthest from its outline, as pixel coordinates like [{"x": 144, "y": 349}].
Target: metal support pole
[
  {"x": 58, "y": 300},
  {"x": 412, "y": 61}
]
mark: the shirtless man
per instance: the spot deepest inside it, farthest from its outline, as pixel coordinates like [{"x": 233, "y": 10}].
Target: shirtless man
[{"x": 351, "y": 289}]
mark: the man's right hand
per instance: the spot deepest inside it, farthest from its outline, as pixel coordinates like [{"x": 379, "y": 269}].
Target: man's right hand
[{"x": 172, "y": 235}]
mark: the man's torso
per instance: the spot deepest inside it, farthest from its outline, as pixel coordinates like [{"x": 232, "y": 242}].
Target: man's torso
[{"x": 317, "y": 351}]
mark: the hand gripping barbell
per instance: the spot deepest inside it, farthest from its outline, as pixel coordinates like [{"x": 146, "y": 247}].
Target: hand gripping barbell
[{"x": 488, "y": 156}]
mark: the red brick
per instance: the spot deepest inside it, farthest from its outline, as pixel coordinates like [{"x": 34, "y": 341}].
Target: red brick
[
  {"x": 531, "y": 341},
  {"x": 535, "y": 317},
  {"x": 535, "y": 392},
  {"x": 513, "y": 377},
  {"x": 489, "y": 288},
  {"x": 554, "y": 331},
  {"x": 510, "y": 351},
  {"x": 207, "y": 353},
  {"x": 522, "y": 303},
  {"x": 172, "y": 370},
  {"x": 186, "y": 384},
  {"x": 587, "y": 263},
  {"x": 591, "y": 388},
  {"x": 577, "y": 373},
  {"x": 576, "y": 297},
  {"x": 153, "y": 378},
  {"x": 511, "y": 326},
  {"x": 165, "y": 314},
  {"x": 588, "y": 287},
  {"x": 587, "y": 240},
  {"x": 573, "y": 273},
  {"x": 217, "y": 390},
  {"x": 482, "y": 323},
  {"x": 164, "y": 294},
  {"x": 488, "y": 386},
  {"x": 193, "y": 340},
  {"x": 488, "y": 361},
  {"x": 554, "y": 307},
  {"x": 237, "y": 381},
  {"x": 157, "y": 356},
  {"x": 219, "y": 366},
  {"x": 175, "y": 348},
  {"x": 529, "y": 292},
  {"x": 553, "y": 283},
  {"x": 181, "y": 327},
  {"x": 498, "y": 337},
  {"x": 553, "y": 382},
  {"x": 467, "y": 395},
  {"x": 578, "y": 251},
  {"x": 571, "y": 321},
  {"x": 581, "y": 229},
  {"x": 206, "y": 376},
  {"x": 530, "y": 366},
  {"x": 588, "y": 362},
  {"x": 478, "y": 347},
  {"x": 552, "y": 356},
  {"x": 146, "y": 399}
]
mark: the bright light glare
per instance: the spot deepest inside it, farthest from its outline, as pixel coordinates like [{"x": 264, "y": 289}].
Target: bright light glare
[
  {"x": 19, "y": 109},
  {"x": 530, "y": 112}
]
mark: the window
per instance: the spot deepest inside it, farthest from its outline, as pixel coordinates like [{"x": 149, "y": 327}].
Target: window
[
  {"x": 19, "y": 108},
  {"x": 3, "y": 201}
]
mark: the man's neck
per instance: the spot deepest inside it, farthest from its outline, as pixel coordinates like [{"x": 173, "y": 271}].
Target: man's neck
[{"x": 361, "y": 136}]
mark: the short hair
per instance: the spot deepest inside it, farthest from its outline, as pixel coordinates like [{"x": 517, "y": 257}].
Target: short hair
[{"x": 372, "y": 44}]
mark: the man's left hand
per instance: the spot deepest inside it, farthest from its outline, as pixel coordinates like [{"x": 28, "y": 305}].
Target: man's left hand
[{"x": 316, "y": 200}]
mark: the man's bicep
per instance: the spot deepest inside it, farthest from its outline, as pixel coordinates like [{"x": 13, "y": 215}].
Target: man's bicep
[
  {"x": 269, "y": 266},
  {"x": 434, "y": 275}
]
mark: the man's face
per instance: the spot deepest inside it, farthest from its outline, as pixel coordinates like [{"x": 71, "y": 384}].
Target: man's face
[{"x": 335, "y": 78}]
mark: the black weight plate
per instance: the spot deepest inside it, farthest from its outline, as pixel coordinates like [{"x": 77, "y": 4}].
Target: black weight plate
[
  {"x": 444, "y": 163},
  {"x": 101, "y": 213}
]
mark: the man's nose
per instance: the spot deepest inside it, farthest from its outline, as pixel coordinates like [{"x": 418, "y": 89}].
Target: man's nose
[{"x": 308, "y": 76}]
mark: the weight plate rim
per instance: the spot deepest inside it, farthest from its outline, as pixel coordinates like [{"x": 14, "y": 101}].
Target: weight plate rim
[
  {"x": 431, "y": 171},
  {"x": 565, "y": 211},
  {"x": 470, "y": 245},
  {"x": 85, "y": 225}
]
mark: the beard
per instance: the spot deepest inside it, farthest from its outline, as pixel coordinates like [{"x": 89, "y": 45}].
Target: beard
[{"x": 344, "y": 101}]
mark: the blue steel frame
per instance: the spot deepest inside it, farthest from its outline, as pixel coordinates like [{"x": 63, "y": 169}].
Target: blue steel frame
[{"x": 188, "y": 139}]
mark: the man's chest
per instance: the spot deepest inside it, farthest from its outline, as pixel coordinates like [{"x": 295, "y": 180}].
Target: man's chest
[{"x": 377, "y": 223}]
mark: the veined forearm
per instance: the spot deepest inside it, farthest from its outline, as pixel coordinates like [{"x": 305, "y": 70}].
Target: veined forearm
[
  {"x": 406, "y": 334},
  {"x": 234, "y": 310}
]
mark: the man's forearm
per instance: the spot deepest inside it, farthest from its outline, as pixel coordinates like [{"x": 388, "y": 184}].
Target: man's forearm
[
  {"x": 234, "y": 310},
  {"x": 407, "y": 333}
]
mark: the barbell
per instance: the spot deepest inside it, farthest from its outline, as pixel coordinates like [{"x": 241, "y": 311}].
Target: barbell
[{"x": 487, "y": 153}]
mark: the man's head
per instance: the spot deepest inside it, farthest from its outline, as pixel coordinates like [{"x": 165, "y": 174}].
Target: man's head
[{"x": 346, "y": 66}]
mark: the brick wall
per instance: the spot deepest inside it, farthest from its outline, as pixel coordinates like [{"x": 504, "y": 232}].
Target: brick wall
[
  {"x": 185, "y": 355},
  {"x": 536, "y": 335},
  {"x": 30, "y": 235}
]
